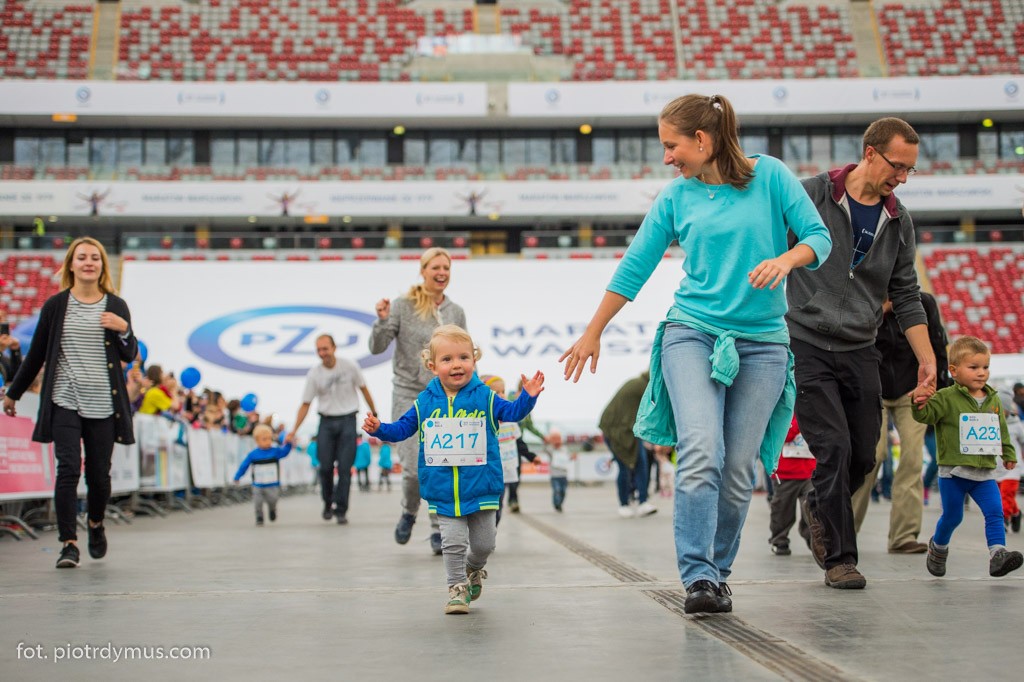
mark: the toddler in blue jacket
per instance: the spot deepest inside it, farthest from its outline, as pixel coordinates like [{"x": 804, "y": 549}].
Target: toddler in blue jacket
[
  {"x": 266, "y": 471},
  {"x": 456, "y": 419}
]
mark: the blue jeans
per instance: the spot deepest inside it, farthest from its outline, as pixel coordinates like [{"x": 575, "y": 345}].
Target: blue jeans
[
  {"x": 559, "y": 484},
  {"x": 720, "y": 432},
  {"x": 985, "y": 493},
  {"x": 632, "y": 480}
]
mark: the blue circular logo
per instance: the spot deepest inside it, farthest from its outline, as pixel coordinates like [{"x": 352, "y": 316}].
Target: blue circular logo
[
  {"x": 279, "y": 340},
  {"x": 1011, "y": 89},
  {"x": 965, "y": 418},
  {"x": 552, "y": 96},
  {"x": 322, "y": 95},
  {"x": 780, "y": 93},
  {"x": 83, "y": 94}
]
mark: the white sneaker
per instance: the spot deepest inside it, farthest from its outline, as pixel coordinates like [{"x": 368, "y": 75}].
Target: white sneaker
[
  {"x": 626, "y": 512},
  {"x": 646, "y": 509}
]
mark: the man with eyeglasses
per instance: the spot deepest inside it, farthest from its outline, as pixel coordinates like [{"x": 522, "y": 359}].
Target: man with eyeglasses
[{"x": 834, "y": 314}]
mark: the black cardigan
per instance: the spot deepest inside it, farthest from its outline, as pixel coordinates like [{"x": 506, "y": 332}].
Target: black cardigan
[{"x": 46, "y": 347}]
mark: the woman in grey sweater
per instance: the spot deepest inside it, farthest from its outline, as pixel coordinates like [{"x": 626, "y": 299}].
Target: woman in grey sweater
[{"x": 409, "y": 321}]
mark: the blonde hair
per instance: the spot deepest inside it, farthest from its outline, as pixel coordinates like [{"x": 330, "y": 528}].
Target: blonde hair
[
  {"x": 422, "y": 303},
  {"x": 67, "y": 278},
  {"x": 451, "y": 332},
  {"x": 964, "y": 346},
  {"x": 715, "y": 116},
  {"x": 262, "y": 428}
]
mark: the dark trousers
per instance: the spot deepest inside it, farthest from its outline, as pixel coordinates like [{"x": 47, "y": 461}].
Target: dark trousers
[
  {"x": 336, "y": 446},
  {"x": 70, "y": 432},
  {"x": 839, "y": 408},
  {"x": 785, "y": 500}
]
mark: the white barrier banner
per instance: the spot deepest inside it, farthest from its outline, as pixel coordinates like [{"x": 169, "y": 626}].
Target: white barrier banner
[
  {"x": 124, "y": 470},
  {"x": 522, "y": 314},
  {"x": 200, "y": 459},
  {"x": 218, "y": 451},
  {"x": 164, "y": 460}
]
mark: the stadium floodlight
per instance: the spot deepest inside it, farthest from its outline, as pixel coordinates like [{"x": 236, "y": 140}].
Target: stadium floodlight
[
  {"x": 586, "y": 129},
  {"x": 988, "y": 123}
]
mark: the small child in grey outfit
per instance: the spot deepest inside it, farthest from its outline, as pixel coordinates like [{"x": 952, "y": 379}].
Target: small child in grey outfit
[{"x": 266, "y": 471}]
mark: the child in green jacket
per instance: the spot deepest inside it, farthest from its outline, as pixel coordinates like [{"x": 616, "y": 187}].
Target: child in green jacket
[{"x": 970, "y": 432}]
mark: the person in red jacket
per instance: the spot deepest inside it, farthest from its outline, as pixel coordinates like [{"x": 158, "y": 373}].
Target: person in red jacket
[{"x": 794, "y": 473}]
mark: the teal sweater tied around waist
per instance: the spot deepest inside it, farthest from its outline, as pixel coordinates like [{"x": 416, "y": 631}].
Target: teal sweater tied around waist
[{"x": 655, "y": 422}]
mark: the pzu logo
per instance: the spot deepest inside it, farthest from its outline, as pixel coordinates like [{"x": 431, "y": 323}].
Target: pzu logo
[{"x": 281, "y": 340}]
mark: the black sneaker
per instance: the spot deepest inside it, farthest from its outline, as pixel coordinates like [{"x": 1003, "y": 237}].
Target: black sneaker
[
  {"x": 1004, "y": 561},
  {"x": 69, "y": 556},
  {"x": 1015, "y": 523},
  {"x": 97, "y": 542},
  {"x": 781, "y": 550},
  {"x": 273, "y": 515},
  {"x": 342, "y": 521},
  {"x": 435, "y": 543},
  {"x": 701, "y": 597},
  {"x": 403, "y": 531},
  {"x": 327, "y": 513},
  {"x": 724, "y": 598},
  {"x": 259, "y": 520}
]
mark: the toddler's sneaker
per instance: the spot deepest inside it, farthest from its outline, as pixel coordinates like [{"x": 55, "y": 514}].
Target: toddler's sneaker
[
  {"x": 646, "y": 509},
  {"x": 273, "y": 515},
  {"x": 458, "y": 599},
  {"x": 1004, "y": 561},
  {"x": 936, "y": 559},
  {"x": 476, "y": 586}
]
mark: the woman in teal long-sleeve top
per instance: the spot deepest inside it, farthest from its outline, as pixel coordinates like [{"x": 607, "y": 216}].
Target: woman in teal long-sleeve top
[{"x": 721, "y": 364}]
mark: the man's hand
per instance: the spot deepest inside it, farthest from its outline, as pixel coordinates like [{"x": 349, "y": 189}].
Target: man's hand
[{"x": 925, "y": 380}]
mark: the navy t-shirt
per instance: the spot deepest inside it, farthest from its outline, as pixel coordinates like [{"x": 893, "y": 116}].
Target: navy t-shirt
[{"x": 864, "y": 219}]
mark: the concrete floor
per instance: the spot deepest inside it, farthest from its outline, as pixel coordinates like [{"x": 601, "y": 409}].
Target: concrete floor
[{"x": 311, "y": 600}]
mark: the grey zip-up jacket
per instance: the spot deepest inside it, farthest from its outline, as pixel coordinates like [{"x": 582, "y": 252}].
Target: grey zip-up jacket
[
  {"x": 838, "y": 307},
  {"x": 411, "y": 334}
]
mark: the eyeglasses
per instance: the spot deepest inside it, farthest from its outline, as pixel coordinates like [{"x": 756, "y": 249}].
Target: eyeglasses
[{"x": 898, "y": 167}]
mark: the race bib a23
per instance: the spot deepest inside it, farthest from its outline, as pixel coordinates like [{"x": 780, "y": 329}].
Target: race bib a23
[{"x": 979, "y": 434}]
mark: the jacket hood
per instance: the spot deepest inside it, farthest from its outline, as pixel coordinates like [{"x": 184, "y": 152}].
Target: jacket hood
[
  {"x": 838, "y": 178},
  {"x": 435, "y": 389}
]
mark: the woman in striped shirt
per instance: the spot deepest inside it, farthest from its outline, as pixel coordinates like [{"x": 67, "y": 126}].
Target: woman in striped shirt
[{"x": 83, "y": 336}]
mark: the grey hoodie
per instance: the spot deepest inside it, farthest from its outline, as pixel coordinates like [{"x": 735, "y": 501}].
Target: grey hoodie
[
  {"x": 838, "y": 307},
  {"x": 412, "y": 335}
]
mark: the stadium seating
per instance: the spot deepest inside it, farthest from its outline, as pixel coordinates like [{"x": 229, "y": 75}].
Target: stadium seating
[
  {"x": 980, "y": 291},
  {"x": 31, "y": 279},
  {"x": 42, "y": 41},
  {"x": 953, "y": 38}
]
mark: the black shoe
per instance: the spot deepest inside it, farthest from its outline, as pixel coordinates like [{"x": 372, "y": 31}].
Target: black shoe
[
  {"x": 327, "y": 513},
  {"x": 403, "y": 531},
  {"x": 1015, "y": 523},
  {"x": 259, "y": 520},
  {"x": 342, "y": 520},
  {"x": 69, "y": 556},
  {"x": 435, "y": 543},
  {"x": 97, "y": 542},
  {"x": 514, "y": 506},
  {"x": 781, "y": 550},
  {"x": 701, "y": 597},
  {"x": 724, "y": 598},
  {"x": 273, "y": 515},
  {"x": 1004, "y": 561}
]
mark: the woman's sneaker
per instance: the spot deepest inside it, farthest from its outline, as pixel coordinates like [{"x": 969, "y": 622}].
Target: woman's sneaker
[
  {"x": 97, "y": 542},
  {"x": 935, "y": 561},
  {"x": 458, "y": 599},
  {"x": 476, "y": 586},
  {"x": 69, "y": 556},
  {"x": 701, "y": 597},
  {"x": 1004, "y": 561}
]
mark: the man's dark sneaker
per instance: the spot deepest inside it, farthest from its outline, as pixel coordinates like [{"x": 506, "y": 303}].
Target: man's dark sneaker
[
  {"x": 403, "y": 531},
  {"x": 327, "y": 513},
  {"x": 845, "y": 577},
  {"x": 514, "y": 506},
  {"x": 701, "y": 597},
  {"x": 817, "y": 534},
  {"x": 1015, "y": 523},
  {"x": 342, "y": 520},
  {"x": 935, "y": 562},
  {"x": 909, "y": 547},
  {"x": 435, "y": 543},
  {"x": 97, "y": 541},
  {"x": 259, "y": 520},
  {"x": 273, "y": 515},
  {"x": 1004, "y": 561},
  {"x": 781, "y": 549},
  {"x": 69, "y": 556},
  {"x": 724, "y": 598}
]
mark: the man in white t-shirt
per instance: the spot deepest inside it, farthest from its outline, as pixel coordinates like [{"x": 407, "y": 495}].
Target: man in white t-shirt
[{"x": 336, "y": 384}]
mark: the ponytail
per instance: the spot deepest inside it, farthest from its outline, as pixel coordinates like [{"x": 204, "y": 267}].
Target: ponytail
[{"x": 714, "y": 116}]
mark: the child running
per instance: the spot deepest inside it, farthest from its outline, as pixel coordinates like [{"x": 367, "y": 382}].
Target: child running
[
  {"x": 970, "y": 433},
  {"x": 266, "y": 471},
  {"x": 456, "y": 418}
]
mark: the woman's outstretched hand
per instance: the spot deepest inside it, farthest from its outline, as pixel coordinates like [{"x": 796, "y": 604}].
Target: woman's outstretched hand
[{"x": 576, "y": 357}]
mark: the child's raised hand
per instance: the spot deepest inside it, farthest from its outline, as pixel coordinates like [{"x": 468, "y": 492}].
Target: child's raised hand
[
  {"x": 371, "y": 423},
  {"x": 533, "y": 386},
  {"x": 1010, "y": 465},
  {"x": 921, "y": 394}
]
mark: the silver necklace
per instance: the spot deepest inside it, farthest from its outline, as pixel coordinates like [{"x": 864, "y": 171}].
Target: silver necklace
[{"x": 707, "y": 188}]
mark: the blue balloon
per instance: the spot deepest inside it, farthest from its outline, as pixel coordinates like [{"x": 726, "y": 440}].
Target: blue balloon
[
  {"x": 248, "y": 403},
  {"x": 143, "y": 352},
  {"x": 190, "y": 377}
]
